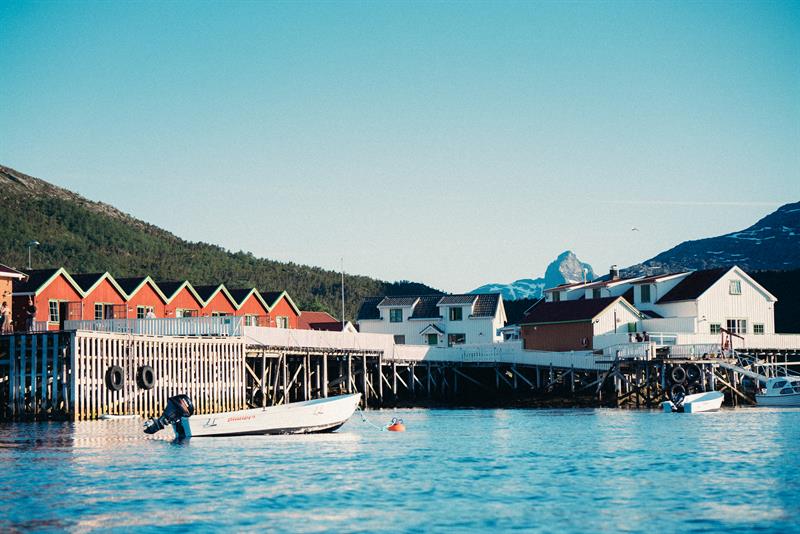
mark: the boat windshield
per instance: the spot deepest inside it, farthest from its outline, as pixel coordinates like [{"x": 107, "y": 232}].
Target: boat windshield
[
  {"x": 787, "y": 391},
  {"x": 779, "y": 384}
]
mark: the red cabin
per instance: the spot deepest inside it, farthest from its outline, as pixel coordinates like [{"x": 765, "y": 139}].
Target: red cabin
[
  {"x": 283, "y": 312},
  {"x": 103, "y": 297},
  {"x": 56, "y": 296},
  {"x": 182, "y": 299},
  {"x": 251, "y": 306},
  {"x": 143, "y": 296},
  {"x": 218, "y": 301}
]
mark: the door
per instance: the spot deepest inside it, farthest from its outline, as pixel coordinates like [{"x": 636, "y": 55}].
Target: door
[{"x": 63, "y": 314}]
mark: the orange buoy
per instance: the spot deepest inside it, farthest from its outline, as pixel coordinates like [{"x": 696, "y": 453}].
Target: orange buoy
[{"x": 396, "y": 426}]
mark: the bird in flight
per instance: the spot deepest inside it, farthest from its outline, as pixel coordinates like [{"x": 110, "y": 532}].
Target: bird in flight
[{"x": 634, "y": 229}]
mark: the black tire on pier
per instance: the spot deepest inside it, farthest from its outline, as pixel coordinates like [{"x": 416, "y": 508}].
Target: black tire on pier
[
  {"x": 115, "y": 378},
  {"x": 677, "y": 374},
  {"x": 145, "y": 377},
  {"x": 693, "y": 373},
  {"x": 677, "y": 393}
]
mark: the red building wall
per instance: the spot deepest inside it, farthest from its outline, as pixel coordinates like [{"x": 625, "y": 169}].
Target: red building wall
[
  {"x": 253, "y": 306},
  {"x": 107, "y": 294},
  {"x": 146, "y": 296},
  {"x": 183, "y": 300},
  {"x": 283, "y": 308},
  {"x": 60, "y": 290},
  {"x": 219, "y": 303}
]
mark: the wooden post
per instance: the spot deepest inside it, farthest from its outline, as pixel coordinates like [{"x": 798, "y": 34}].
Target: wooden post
[
  {"x": 325, "y": 375},
  {"x": 380, "y": 379},
  {"x": 285, "y": 373},
  {"x": 394, "y": 380},
  {"x": 263, "y": 379},
  {"x": 411, "y": 379},
  {"x": 364, "y": 378},
  {"x": 349, "y": 373},
  {"x": 429, "y": 380}
]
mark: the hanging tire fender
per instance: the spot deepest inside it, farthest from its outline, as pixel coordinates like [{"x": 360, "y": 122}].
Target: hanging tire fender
[
  {"x": 677, "y": 374},
  {"x": 145, "y": 377},
  {"x": 693, "y": 373},
  {"x": 115, "y": 378},
  {"x": 677, "y": 393}
]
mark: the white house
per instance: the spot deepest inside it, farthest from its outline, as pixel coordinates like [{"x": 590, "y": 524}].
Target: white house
[{"x": 434, "y": 319}]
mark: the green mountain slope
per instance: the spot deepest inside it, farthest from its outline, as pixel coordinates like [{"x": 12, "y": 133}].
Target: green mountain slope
[{"x": 86, "y": 236}]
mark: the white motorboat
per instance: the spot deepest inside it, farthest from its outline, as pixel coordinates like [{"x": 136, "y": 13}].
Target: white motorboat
[
  {"x": 709, "y": 401},
  {"x": 317, "y": 415},
  {"x": 780, "y": 391}
]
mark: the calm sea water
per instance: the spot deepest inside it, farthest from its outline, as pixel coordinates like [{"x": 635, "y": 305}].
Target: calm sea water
[{"x": 453, "y": 470}]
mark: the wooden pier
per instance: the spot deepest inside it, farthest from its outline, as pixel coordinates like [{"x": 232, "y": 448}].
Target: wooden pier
[{"x": 83, "y": 374}]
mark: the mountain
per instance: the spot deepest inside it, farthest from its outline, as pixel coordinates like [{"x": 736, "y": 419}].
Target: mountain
[
  {"x": 566, "y": 268},
  {"x": 86, "y": 236},
  {"x": 771, "y": 243}
]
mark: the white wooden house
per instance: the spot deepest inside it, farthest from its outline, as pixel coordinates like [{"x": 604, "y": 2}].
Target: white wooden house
[{"x": 435, "y": 320}]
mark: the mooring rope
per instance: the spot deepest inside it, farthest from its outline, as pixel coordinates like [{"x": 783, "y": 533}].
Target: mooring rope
[{"x": 370, "y": 423}]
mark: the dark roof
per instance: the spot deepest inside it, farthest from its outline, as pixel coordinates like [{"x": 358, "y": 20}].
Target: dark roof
[
  {"x": 486, "y": 305},
  {"x": 628, "y": 295},
  {"x": 449, "y": 300},
  {"x": 426, "y": 308},
  {"x": 36, "y": 278},
  {"x": 169, "y": 288},
  {"x": 651, "y": 314},
  {"x": 270, "y": 296},
  {"x": 205, "y": 292},
  {"x": 398, "y": 301},
  {"x": 369, "y": 309},
  {"x": 693, "y": 285},
  {"x": 239, "y": 294},
  {"x": 129, "y": 284},
  {"x": 433, "y": 326},
  {"x": 87, "y": 280},
  {"x": 566, "y": 310}
]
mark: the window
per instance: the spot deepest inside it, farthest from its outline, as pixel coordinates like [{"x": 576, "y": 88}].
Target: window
[
  {"x": 758, "y": 329},
  {"x": 779, "y": 384},
  {"x": 251, "y": 320},
  {"x": 433, "y": 339},
  {"x": 456, "y": 339},
  {"x": 281, "y": 322},
  {"x": 396, "y": 315},
  {"x": 556, "y": 296},
  {"x": 52, "y": 308},
  {"x": 220, "y": 314},
  {"x": 596, "y": 293},
  {"x": 456, "y": 313},
  {"x": 645, "y": 293},
  {"x": 98, "y": 312},
  {"x": 399, "y": 340},
  {"x": 715, "y": 328},
  {"x": 737, "y": 326},
  {"x": 735, "y": 287}
]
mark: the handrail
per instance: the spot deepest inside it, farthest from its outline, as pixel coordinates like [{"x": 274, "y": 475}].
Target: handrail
[{"x": 179, "y": 326}]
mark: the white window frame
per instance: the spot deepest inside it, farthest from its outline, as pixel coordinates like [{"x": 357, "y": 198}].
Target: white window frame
[
  {"x": 50, "y": 311},
  {"x": 737, "y": 323},
  {"x": 451, "y": 342},
  {"x": 452, "y": 313},
  {"x": 649, "y": 297},
  {"x": 393, "y": 313},
  {"x": 281, "y": 321},
  {"x": 715, "y": 328},
  {"x": 399, "y": 339},
  {"x": 757, "y": 327},
  {"x": 735, "y": 287}
]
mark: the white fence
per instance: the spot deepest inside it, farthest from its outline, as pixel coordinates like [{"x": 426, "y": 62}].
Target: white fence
[{"x": 181, "y": 326}]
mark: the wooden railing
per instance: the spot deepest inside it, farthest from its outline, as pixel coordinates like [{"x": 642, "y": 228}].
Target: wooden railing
[{"x": 182, "y": 326}]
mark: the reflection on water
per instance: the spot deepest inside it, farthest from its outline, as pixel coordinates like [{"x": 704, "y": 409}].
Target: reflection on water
[{"x": 552, "y": 470}]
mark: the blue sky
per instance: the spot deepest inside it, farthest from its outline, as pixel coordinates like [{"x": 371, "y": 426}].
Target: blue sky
[{"x": 451, "y": 143}]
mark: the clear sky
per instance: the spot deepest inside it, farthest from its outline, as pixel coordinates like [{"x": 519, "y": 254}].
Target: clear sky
[{"x": 450, "y": 143}]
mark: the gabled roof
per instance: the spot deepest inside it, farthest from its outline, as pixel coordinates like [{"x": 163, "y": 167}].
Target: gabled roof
[
  {"x": 571, "y": 311},
  {"x": 90, "y": 281},
  {"x": 171, "y": 290},
  {"x": 426, "y": 308},
  {"x": 38, "y": 279},
  {"x": 132, "y": 285},
  {"x": 368, "y": 311},
  {"x": 241, "y": 295},
  {"x": 272, "y": 298},
  {"x": 8, "y": 272},
  {"x": 400, "y": 302},
  {"x": 693, "y": 285},
  {"x": 209, "y": 292},
  {"x": 698, "y": 282},
  {"x": 307, "y": 318},
  {"x": 450, "y": 300},
  {"x": 431, "y": 329}
]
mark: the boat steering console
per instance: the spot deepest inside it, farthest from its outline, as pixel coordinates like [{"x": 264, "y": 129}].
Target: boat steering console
[{"x": 178, "y": 407}]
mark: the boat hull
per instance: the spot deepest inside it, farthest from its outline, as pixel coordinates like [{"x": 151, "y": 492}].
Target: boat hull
[
  {"x": 314, "y": 416},
  {"x": 710, "y": 401},
  {"x": 792, "y": 399}
]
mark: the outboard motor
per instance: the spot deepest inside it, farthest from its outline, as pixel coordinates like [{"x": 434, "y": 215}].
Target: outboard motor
[{"x": 178, "y": 407}]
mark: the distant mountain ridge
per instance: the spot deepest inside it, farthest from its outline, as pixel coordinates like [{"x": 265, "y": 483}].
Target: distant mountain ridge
[
  {"x": 772, "y": 243},
  {"x": 566, "y": 268}
]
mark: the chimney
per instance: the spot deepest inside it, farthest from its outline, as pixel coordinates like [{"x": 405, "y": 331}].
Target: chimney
[{"x": 614, "y": 272}]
